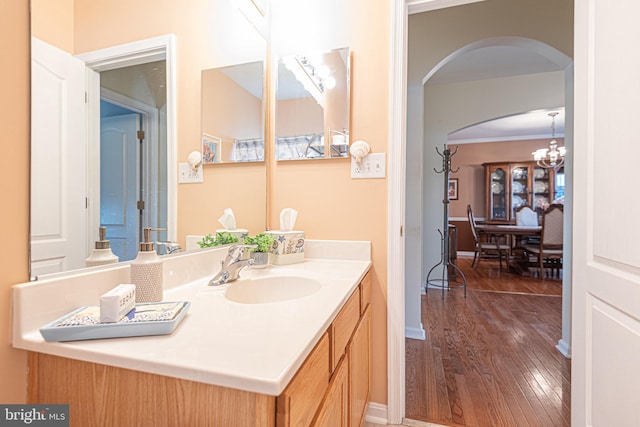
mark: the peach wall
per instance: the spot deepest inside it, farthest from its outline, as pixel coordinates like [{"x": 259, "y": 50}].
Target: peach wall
[
  {"x": 330, "y": 204},
  {"x": 53, "y": 21},
  {"x": 14, "y": 193},
  {"x": 298, "y": 117}
]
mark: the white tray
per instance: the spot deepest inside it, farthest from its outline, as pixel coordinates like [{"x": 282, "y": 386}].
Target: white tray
[{"x": 134, "y": 325}]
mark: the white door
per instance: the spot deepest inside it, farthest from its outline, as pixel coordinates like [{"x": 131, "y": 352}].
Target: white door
[
  {"x": 606, "y": 255},
  {"x": 58, "y": 151},
  {"x": 119, "y": 183}
]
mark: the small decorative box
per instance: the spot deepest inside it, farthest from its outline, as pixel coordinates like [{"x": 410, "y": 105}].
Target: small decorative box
[
  {"x": 117, "y": 303},
  {"x": 288, "y": 247}
]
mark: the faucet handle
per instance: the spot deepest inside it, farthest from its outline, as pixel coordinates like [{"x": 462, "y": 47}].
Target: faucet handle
[{"x": 236, "y": 251}]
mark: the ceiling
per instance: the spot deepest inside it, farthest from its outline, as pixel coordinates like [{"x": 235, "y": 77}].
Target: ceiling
[
  {"x": 526, "y": 126},
  {"x": 498, "y": 62}
]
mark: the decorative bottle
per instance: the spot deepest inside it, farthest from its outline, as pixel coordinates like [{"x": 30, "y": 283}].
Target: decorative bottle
[
  {"x": 146, "y": 271},
  {"x": 102, "y": 254}
]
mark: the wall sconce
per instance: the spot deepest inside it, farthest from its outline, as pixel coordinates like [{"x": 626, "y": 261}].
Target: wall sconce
[
  {"x": 191, "y": 172},
  {"x": 359, "y": 149},
  {"x": 195, "y": 160}
]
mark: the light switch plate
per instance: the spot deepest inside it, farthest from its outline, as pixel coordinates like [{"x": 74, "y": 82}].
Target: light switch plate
[
  {"x": 186, "y": 175},
  {"x": 371, "y": 166}
]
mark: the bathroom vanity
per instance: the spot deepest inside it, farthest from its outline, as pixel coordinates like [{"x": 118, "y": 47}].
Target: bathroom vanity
[{"x": 243, "y": 358}]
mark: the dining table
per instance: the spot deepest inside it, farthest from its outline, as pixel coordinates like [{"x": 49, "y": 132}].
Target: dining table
[{"x": 511, "y": 233}]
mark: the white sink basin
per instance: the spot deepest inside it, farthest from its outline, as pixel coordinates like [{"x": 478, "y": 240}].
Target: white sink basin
[{"x": 271, "y": 289}]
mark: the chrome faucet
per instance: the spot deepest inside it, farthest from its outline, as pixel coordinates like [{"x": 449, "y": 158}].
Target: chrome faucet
[
  {"x": 169, "y": 247},
  {"x": 232, "y": 265}
]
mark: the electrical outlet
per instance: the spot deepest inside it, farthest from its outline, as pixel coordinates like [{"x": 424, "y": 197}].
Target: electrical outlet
[
  {"x": 370, "y": 166},
  {"x": 186, "y": 175}
]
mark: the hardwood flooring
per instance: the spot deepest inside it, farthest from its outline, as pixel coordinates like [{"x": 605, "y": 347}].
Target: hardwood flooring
[{"x": 490, "y": 359}]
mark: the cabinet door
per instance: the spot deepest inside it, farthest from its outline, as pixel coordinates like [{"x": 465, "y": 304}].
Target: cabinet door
[
  {"x": 497, "y": 191},
  {"x": 359, "y": 355},
  {"x": 558, "y": 185},
  {"x": 542, "y": 188},
  {"x": 299, "y": 402},
  {"x": 334, "y": 411},
  {"x": 520, "y": 187},
  {"x": 343, "y": 327}
]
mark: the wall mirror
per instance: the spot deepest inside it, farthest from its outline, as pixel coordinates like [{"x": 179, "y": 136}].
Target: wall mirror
[
  {"x": 209, "y": 34},
  {"x": 313, "y": 106},
  {"x": 233, "y": 114}
]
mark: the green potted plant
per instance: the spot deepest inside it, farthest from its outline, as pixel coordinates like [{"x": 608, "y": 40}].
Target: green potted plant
[
  {"x": 221, "y": 238},
  {"x": 260, "y": 253}
]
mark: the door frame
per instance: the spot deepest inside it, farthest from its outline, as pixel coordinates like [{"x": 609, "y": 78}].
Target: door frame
[
  {"x": 149, "y": 155},
  {"x": 134, "y": 53},
  {"x": 399, "y": 12},
  {"x": 399, "y": 17}
]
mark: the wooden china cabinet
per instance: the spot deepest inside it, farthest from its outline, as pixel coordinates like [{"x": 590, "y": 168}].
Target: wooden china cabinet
[{"x": 511, "y": 185}]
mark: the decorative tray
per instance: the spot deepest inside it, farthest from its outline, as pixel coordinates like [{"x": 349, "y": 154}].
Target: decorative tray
[{"x": 155, "y": 318}]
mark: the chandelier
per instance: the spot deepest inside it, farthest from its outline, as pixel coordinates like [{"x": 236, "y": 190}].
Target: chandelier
[{"x": 552, "y": 157}]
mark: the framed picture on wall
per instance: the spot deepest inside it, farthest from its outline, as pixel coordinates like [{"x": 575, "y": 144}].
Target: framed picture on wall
[
  {"x": 453, "y": 188},
  {"x": 210, "y": 151}
]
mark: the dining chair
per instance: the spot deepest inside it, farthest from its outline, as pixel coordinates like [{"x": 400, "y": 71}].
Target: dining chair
[
  {"x": 486, "y": 246},
  {"x": 525, "y": 217},
  {"x": 550, "y": 246}
]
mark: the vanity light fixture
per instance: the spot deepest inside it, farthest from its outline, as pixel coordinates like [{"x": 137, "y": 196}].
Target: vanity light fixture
[
  {"x": 552, "y": 157},
  {"x": 302, "y": 70},
  {"x": 253, "y": 13}
]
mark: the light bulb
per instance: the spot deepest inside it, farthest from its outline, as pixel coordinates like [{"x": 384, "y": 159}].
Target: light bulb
[
  {"x": 330, "y": 82},
  {"x": 323, "y": 71}
]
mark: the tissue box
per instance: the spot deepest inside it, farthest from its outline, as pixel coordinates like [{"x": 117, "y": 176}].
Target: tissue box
[
  {"x": 288, "y": 247},
  {"x": 240, "y": 233}
]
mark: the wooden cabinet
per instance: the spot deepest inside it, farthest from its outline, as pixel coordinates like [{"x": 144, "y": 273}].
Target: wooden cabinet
[
  {"x": 100, "y": 395},
  {"x": 335, "y": 408},
  {"x": 350, "y": 370},
  {"x": 343, "y": 326},
  {"x": 298, "y": 403},
  {"x": 359, "y": 357},
  {"x": 511, "y": 185},
  {"x": 331, "y": 388}
]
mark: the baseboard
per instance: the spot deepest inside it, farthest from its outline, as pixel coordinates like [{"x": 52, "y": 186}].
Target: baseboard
[
  {"x": 564, "y": 349},
  {"x": 376, "y": 413},
  {"x": 464, "y": 254},
  {"x": 415, "y": 333}
]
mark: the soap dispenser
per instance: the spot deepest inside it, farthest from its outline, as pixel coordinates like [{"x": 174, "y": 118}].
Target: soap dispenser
[
  {"x": 102, "y": 254},
  {"x": 146, "y": 271}
]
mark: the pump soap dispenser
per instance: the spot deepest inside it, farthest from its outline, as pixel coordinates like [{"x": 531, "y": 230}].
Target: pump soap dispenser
[
  {"x": 146, "y": 271},
  {"x": 102, "y": 254}
]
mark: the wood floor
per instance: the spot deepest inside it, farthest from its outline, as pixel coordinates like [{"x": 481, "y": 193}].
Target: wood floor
[{"x": 490, "y": 359}]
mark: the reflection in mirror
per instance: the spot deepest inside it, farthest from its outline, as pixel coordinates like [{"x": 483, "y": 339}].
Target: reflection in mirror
[
  {"x": 133, "y": 165},
  {"x": 98, "y": 39},
  {"x": 312, "y": 106},
  {"x": 232, "y": 114},
  {"x": 102, "y": 160}
]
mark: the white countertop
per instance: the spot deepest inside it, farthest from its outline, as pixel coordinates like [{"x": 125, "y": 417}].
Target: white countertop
[{"x": 252, "y": 347}]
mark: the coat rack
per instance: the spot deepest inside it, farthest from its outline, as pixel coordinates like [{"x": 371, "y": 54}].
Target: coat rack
[{"x": 445, "y": 280}]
